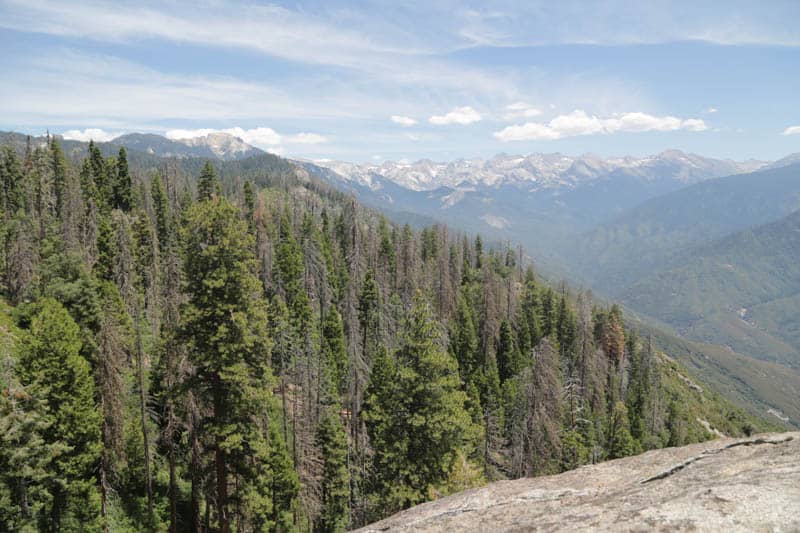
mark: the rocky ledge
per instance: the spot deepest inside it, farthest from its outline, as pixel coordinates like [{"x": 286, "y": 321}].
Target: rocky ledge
[{"x": 747, "y": 484}]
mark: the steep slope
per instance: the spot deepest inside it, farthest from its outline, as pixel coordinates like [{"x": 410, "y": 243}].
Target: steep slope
[
  {"x": 617, "y": 254},
  {"x": 762, "y": 388},
  {"x": 742, "y": 291},
  {"x": 701, "y": 487}
]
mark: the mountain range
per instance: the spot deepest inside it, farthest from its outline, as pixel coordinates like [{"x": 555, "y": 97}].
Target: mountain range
[
  {"x": 214, "y": 145},
  {"x": 694, "y": 246}
]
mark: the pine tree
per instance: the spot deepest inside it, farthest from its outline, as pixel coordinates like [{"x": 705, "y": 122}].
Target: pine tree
[
  {"x": 415, "y": 413},
  {"x": 225, "y": 326},
  {"x": 25, "y": 476},
  {"x": 100, "y": 176},
  {"x": 122, "y": 190},
  {"x": 334, "y": 351},
  {"x": 369, "y": 313},
  {"x": 59, "y": 176},
  {"x": 332, "y": 444},
  {"x": 508, "y": 360},
  {"x": 208, "y": 184},
  {"x": 53, "y": 369},
  {"x": 620, "y": 442},
  {"x": 464, "y": 339},
  {"x": 161, "y": 210},
  {"x": 249, "y": 201}
]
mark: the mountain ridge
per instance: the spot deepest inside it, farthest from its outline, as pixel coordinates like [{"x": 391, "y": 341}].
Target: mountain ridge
[{"x": 535, "y": 171}]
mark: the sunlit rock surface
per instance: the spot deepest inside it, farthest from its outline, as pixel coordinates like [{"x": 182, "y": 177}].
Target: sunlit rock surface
[{"x": 747, "y": 484}]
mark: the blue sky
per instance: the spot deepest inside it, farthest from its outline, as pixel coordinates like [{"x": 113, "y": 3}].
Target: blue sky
[{"x": 368, "y": 81}]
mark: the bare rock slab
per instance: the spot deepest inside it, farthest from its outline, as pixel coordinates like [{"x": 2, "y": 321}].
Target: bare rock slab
[{"x": 746, "y": 484}]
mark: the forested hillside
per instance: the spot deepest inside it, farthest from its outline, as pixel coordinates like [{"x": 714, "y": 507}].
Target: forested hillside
[
  {"x": 260, "y": 353},
  {"x": 742, "y": 290},
  {"x": 665, "y": 230}
]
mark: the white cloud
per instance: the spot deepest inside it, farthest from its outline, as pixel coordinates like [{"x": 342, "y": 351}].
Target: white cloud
[
  {"x": 90, "y": 134},
  {"x": 187, "y": 134},
  {"x": 261, "y": 137},
  {"x": 403, "y": 121},
  {"x": 711, "y": 110},
  {"x": 520, "y": 110},
  {"x": 307, "y": 138},
  {"x": 792, "y": 130},
  {"x": 460, "y": 115},
  {"x": 580, "y": 123}
]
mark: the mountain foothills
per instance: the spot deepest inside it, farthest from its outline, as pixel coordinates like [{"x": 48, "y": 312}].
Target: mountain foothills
[{"x": 197, "y": 346}]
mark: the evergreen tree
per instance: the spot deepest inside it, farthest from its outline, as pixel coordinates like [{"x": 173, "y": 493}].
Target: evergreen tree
[
  {"x": 335, "y": 477},
  {"x": 59, "y": 176},
  {"x": 52, "y": 368},
  {"x": 334, "y": 350},
  {"x": 161, "y": 210},
  {"x": 122, "y": 190},
  {"x": 508, "y": 361},
  {"x": 99, "y": 172},
  {"x": 369, "y": 313},
  {"x": 464, "y": 339},
  {"x": 620, "y": 442},
  {"x": 208, "y": 184},
  {"x": 225, "y": 327},
  {"x": 415, "y": 413}
]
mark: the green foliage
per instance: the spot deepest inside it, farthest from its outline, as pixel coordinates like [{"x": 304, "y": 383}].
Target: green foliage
[
  {"x": 163, "y": 375},
  {"x": 334, "y": 350},
  {"x": 415, "y": 413},
  {"x": 224, "y": 327},
  {"x": 52, "y": 368},
  {"x": 208, "y": 185},
  {"x": 335, "y": 484},
  {"x": 122, "y": 189}
]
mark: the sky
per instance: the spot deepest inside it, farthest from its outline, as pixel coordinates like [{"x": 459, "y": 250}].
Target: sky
[{"x": 369, "y": 81}]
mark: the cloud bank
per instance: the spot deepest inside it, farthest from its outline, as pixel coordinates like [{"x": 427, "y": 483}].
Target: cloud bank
[
  {"x": 580, "y": 123},
  {"x": 90, "y": 134}
]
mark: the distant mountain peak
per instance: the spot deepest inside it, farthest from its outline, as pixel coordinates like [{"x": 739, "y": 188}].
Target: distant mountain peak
[
  {"x": 223, "y": 145},
  {"x": 215, "y": 145},
  {"x": 537, "y": 170}
]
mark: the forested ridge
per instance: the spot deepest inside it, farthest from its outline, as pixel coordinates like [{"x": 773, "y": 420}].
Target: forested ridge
[{"x": 260, "y": 353}]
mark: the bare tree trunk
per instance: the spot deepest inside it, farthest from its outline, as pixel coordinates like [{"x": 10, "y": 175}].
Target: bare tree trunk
[
  {"x": 173, "y": 489},
  {"x": 195, "y": 473},
  {"x": 222, "y": 491},
  {"x": 103, "y": 493},
  {"x": 143, "y": 414}
]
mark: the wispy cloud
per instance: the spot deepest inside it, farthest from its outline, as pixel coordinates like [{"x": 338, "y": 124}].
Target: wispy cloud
[
  {"x": 403, "y": 121},
  {"x": 580, "y": 123},
  {"x": 460, "y": 115},
  {"x": 520, "y": 110},
  {"x": 711, "y": 110},
  {"x": 792, "y": 130},
  {"x": 621, "y": 22},
  {"x": 307, "y": 138}
]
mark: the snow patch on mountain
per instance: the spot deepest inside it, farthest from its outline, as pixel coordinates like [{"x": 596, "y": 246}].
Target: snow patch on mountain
[
  {"x": 495, "y": 221},
  {"x": 536, "y": 172}
]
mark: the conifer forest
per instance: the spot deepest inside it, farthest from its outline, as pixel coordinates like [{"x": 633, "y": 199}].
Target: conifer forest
[{"x": 192, "y": 345}]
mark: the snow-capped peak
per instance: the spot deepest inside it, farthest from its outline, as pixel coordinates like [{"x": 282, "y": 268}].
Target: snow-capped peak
[{"x": 536, "y": 171}]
